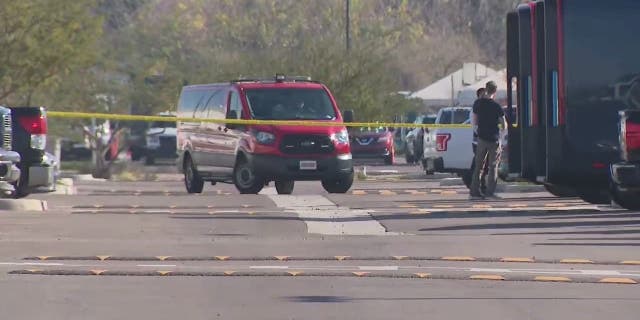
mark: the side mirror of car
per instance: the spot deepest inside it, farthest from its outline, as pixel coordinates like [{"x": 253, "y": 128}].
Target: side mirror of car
[
  {"x": 233, "y": 115},
  {"x": 348, "y": 116}
]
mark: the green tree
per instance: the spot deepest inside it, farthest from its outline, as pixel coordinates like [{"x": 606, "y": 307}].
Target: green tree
[{"x": 41, "y": 41}]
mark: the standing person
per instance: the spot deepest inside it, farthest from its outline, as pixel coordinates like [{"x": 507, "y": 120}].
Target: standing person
[
  {"x": 480, "y": 93},
  {"x": 486, "y": 118}
]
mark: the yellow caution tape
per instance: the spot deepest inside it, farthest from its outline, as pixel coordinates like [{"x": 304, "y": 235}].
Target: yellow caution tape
[{"x": 308, "y": 123}]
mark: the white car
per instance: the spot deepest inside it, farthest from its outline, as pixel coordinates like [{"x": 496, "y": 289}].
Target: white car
[
  {"x": 161, "y": 139},
  {"x": 449, "y": 149}
]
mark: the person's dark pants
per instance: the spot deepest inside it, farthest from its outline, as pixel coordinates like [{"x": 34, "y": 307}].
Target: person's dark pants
[{"x": 486, "y": 154}]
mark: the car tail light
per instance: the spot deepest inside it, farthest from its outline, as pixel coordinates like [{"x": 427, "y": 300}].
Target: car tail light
[
  {"x": 442, "y": 139},
  {"x": 37, "y": 127},
  {"x": 630, "y": 135}
]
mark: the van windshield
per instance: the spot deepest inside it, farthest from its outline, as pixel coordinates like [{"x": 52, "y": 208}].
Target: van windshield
[{"x": 290, "y": 104}]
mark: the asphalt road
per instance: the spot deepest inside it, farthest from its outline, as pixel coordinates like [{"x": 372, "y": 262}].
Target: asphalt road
[{"x": 390, "y": 249}]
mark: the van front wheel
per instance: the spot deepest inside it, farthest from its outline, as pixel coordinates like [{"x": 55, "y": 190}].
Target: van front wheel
[
  {"x": 627, "y": 200},
  {"x": 192, "y": 180},
  {"x": 246, "y": 180},
  {"x": 338, "y": 185}
]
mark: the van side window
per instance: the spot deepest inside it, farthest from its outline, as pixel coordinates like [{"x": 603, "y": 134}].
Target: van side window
[
  {"x": 189, "y": 100},
  {"x": 235, "y": 105},
  {"x": 216, "y": 105}
]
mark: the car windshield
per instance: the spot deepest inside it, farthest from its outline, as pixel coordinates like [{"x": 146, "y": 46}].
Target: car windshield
[{"x": 290, "y": 104}]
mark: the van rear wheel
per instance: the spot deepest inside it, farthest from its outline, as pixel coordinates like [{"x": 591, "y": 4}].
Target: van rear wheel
[
  {"x": 285, "y": 186},
  {"x": 246, "y": 180},
  {"x": 192, "y": 180},
  {"x": 625, "y": 199},
  {"x": 338, "y": 185}
]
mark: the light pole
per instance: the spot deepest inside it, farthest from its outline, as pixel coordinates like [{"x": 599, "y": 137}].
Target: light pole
[{"x": 348, "y": 24}]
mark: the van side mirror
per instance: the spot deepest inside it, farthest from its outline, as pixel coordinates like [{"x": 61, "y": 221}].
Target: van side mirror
[
  {"x": 348, "y": 116},
  {"x": 233, "y": 115}
]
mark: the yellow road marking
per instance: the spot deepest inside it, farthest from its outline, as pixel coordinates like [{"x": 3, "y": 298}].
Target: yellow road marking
[
  {"x": 407, "y": 206},
  {"x": 481, "y": 206},
  {"x": 98, "y": 272},
  {"x": 618, "y": 281},
  {"x": 98, "y": 206},
  {"x": 512, "y": 259},
  {"x": 631, "y": 262},
  {"x": 164, "y": 273},
  {"x": 423, "y": 275},
  {"x": 359, "y": 193},
  {"x": 360, "y": 274},
  {"x": 103, "y": 258},
  {"x": 448, "y": 193},
  {"x": 453, "y": 258},
  {"x": 400, "y": 257},
  {"x": 518, "y": 205},
  {"x": 34, "y": 270},
  {"x": 552, "y": 279},
  {"x": 294, "y": 273},
  {"x": 576, "y": 261},
  {"x": 486, "y": 277},
  {"x": 387, "y": 193},
  {"x": 555, "y": 204},
  {"x": 163, "y": 258},
  {"x": 173, "y": 206},
  {"x": 443, "y": 206},
  {"x": 229, "y": 273},
  {"x": 436, "y": 191},
  {"x": 419, "y": 212},
  {"x": 340, "y": 258},
  {"x": 281, "y": 258},
  {"x": 44, "y": 257},
  {"x": 222, "y": 258}
]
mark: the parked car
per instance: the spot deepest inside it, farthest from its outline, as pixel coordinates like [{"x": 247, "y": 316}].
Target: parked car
[
  {"x": 252, "y": 155},
  {"x": 414, "y": 139},
  {"x": 449, "y": 149},
  {"x": 372, "y": 143},
  {"x": 9, "y": 160},
  {"x": 29, "y": 133},
  {"x": 161, "y": 140}
]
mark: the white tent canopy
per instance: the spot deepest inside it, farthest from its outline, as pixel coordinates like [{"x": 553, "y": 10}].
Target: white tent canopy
[
  {"x": 467, "y": 95},
  {"x": 444, "y": 91}
]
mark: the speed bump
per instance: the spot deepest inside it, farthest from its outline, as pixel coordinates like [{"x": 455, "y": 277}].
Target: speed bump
[
  {"x": 399, "y": 257},
  {"x": 222, "y": 258},
  {"x": 98, "y": 272},
  {"x": 281, "y": 258},
  {"x": 44, "y": 257},
  {"x": 551, "y": 279},
  {"x": 422, "y": 275},
  {"x": 576, "y": 261},
  {"x": 458, "y": 258},
  {"x": 163, "y": 258},
  {"x": 359, "y": 193},
  {"x": 631, "y": 262},
  {"x": 103, "y": 258},
  {"x": 618, "y": 281},
  {"x": 294, "y": 273},
  {"x": 164, "y": 273},
  {"x": 360, "y": 274},
  {"x": 229, "y": 273},
  {"x": 340, "y": 258}
]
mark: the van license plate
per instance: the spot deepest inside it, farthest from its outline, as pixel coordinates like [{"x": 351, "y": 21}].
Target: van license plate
[{"x": 308, "y": 165}]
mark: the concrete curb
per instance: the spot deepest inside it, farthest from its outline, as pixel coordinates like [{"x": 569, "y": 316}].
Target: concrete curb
[
  {"x": 517, "y": 188},
  {"x": 85, "y": 177},
  {"x": 446, "y": 182},
  {"x": 22, "y": 205}
]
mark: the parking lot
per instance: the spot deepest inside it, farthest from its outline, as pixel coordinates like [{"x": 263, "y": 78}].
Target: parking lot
[{"x": 395, "y": 246}]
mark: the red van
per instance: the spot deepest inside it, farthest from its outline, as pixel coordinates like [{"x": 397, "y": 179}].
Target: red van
[{"x": 250, "y": 156}]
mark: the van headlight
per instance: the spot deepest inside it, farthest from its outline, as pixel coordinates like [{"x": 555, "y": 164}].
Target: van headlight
[
  {"x": 265, "y": 137},
  {"x": 341, "y": 137}
]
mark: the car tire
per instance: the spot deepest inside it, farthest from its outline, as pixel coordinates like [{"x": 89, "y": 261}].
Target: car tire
[
  {"x": 338, "y": 185},
  {"x": 594, "y": 196},
  {"x": 192, "y": 180},
  {"x": 246, "y": 180},
  {"x": 285, "y": 186},
  {"x": 390, "y": 159},
  {"x": 627, "y": 200}
]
